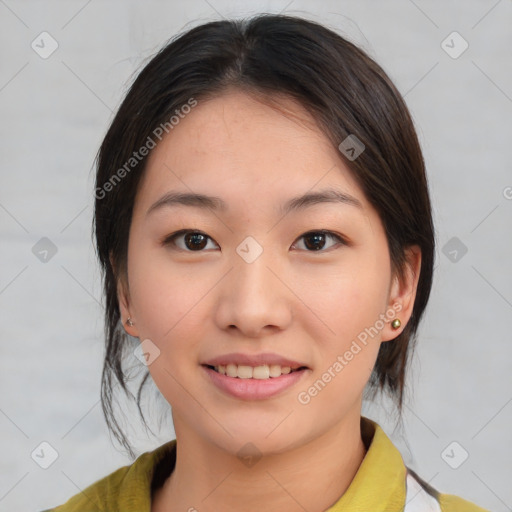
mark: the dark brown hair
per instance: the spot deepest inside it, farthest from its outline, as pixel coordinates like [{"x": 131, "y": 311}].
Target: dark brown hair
[{"x": 269, "y": 55}]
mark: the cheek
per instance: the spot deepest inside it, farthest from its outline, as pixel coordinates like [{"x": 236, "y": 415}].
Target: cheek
[
  {"x": 349, "y": 300},
  {"x": 349, "y": 296},
  {"x": 161, "y": 293},
  {"x": 350, "y": 304},
  {"x": 167, "y": 304}
]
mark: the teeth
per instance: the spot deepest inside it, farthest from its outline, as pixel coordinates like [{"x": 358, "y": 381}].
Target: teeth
[
  {"x": 242, "y": 371},
  {"x": 232, "y": 370},
  {"x": 261, "y": 372}
]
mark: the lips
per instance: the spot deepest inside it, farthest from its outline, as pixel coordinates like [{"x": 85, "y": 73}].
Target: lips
[
  {"x": 254, "y": 376},
  {"x": 255, "y": 388},
  {"x": 266, "y": 358}
]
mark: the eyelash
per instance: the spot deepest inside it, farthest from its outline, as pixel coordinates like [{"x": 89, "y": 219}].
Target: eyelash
[{"x": 170, "y": 240}]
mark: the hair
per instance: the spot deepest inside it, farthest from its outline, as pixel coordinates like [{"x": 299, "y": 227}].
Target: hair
[{"x": 269, "y": 56}]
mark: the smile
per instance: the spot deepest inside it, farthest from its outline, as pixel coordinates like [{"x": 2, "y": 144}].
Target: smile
[
  {"x": 253, "y": 383},
  {"x": 261, "y": 372}
]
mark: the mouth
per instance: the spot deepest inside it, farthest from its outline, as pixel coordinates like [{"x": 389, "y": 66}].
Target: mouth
[
  {"x": 261, "y": 372},
  {"x": 259, "y": 382}
]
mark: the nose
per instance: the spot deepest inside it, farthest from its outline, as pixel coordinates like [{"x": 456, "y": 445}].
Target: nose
[{"x": 253, "y": 298}]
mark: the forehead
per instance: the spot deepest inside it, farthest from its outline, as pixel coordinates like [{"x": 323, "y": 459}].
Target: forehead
[{"x": 237, "y": 146}]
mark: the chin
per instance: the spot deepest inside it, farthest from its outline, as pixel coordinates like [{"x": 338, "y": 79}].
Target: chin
[{"x": 271, "y": 436}]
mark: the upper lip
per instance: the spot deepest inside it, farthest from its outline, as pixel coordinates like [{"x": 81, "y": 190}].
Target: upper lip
[{"x": 253, "y": 360}]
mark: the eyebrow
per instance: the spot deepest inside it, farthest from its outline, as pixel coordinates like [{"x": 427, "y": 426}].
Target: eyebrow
[{"x": 203, "y": 201}]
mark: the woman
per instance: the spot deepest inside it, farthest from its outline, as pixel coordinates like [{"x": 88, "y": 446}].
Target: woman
[{"x": 264, "y": 226}]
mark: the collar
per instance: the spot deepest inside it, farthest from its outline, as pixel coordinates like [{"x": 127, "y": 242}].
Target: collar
[{"x": 380, "y": 481}]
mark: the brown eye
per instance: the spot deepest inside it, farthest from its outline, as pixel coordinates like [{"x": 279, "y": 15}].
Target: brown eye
[
  {"x": 196, "y": 241},
  {"x": 316, "y": 240},
  {"x": 191, "y": 241}
]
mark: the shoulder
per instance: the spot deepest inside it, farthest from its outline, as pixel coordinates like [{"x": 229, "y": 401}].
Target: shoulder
[
  {"x": 130, "y": 484},
  {"x": 101, "y": 495}
]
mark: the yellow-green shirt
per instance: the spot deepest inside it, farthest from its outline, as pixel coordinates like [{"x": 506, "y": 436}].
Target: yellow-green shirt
[{"x": 382, "y": 483}]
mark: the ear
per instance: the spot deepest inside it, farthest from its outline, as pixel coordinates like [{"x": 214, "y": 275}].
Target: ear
[
  {"x": 403, "y": 294},
  {"x": 123, "y": 298}
]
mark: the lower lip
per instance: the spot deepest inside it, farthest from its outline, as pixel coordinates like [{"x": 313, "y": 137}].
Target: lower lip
[{"x": 254, "y": 389}]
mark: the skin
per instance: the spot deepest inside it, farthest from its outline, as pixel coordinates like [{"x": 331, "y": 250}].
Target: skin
[{"x": 292, "y": 300}]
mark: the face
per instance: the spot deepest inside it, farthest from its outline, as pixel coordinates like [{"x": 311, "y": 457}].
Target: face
[{"x": 308, "y": 286}]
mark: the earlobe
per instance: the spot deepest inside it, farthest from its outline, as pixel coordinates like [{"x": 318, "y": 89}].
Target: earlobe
[
  {"x": 403, "y": 294},
  {"x": 124, "y": 309},
  {"x": 123, "y": 299}
]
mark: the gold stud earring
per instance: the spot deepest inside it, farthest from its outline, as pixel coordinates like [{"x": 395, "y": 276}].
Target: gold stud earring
[
  {"x": 396, "y": 323},
  {"x": 129, "y": 322}
]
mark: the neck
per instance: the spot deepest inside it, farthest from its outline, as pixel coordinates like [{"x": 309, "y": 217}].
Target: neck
[{"x": 310, "y": 477}]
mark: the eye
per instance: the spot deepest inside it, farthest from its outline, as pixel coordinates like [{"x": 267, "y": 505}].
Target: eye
[
  {"x": 315, "y": 240},
  {"x": 196, "y": 241},
  {"x": 193, "y": 241}
]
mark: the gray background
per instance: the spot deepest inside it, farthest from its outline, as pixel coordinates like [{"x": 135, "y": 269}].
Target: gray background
[{"x": 54, "y": 113}]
